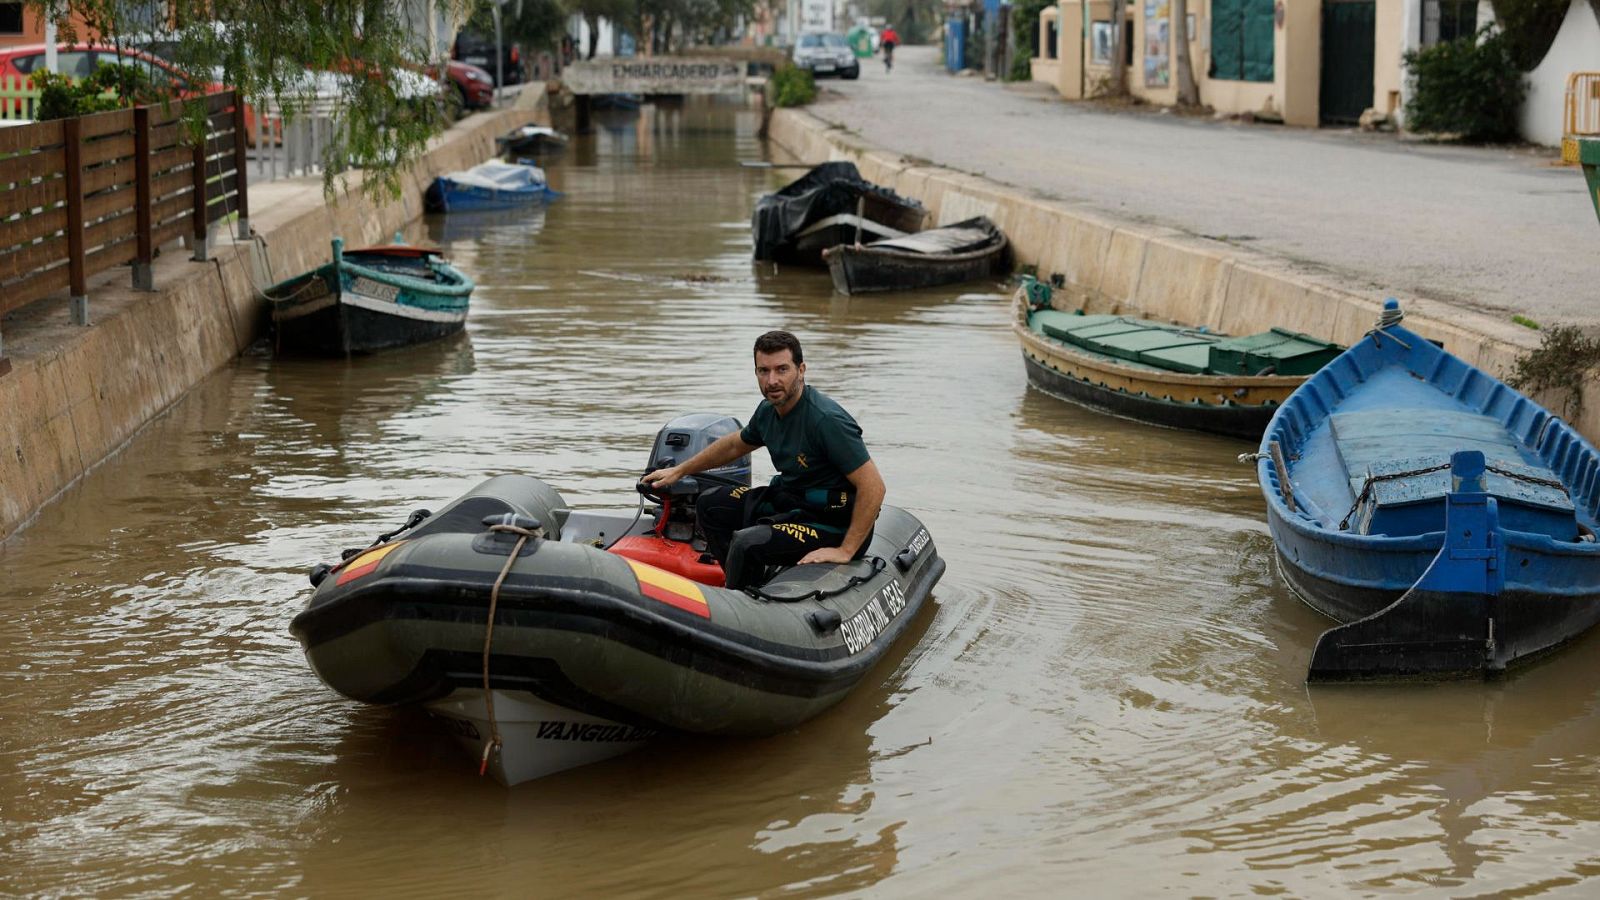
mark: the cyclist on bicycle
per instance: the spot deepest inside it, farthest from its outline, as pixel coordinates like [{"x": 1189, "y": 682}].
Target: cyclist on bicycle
[{"x": 887, "y": 40}]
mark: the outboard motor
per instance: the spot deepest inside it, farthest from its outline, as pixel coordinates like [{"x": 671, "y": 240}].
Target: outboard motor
[
  {"x": 687, "y": 435},
  {"x": 672, "y": 544}
]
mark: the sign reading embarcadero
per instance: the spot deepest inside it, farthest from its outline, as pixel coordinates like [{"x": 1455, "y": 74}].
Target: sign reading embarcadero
[{"x": 664, "y": 75}]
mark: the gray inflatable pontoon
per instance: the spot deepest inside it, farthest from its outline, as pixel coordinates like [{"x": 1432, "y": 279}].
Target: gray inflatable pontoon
[{"x": 592, "y": 651}]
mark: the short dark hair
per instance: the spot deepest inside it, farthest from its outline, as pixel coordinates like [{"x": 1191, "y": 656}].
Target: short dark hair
[{"x": 773, "y": 341}]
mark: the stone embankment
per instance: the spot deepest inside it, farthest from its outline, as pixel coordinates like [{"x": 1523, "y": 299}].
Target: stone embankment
[
  {"x": 75, "y": 395},
  {"x": 1117, "y": 266}
]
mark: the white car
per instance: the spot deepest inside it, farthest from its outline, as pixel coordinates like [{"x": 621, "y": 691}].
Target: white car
[{"x": 826, "y": 53}]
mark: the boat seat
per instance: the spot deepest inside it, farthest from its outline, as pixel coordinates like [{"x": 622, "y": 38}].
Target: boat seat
[{"x": 1383, "y": 444}]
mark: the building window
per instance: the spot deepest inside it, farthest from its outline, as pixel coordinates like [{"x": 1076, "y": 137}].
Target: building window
[
  {"x": 1446, "y": 20},
  {"x": 10, "y": 18},
  {"x": 1242, "y": 40},
  {"x": 1050, "y": 37}
]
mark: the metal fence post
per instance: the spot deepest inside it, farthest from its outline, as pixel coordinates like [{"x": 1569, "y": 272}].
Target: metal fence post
[
  {"x": 78, "y": 288},
  {"x": 241, "y": 165},
  {"x": 143, "y": 277},
  {"x": 199, "y": 218}
]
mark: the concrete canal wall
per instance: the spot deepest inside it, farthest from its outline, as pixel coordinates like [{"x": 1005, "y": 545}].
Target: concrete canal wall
[
  {"x": 1124, "y": 266},
  {"x": 75, "y": 395}
]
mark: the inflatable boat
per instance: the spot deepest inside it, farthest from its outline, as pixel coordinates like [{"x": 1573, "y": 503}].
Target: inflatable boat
[{"x": 548, "y": 637}]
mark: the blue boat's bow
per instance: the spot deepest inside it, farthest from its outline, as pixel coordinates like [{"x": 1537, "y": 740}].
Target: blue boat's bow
[{"x": 1445, "y": 518}]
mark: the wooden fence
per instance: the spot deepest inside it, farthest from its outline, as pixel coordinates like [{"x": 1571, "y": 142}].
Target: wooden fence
[{"x": 80, "y": 196}]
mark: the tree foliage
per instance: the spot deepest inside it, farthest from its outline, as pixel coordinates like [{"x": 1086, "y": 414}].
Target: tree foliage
[
  {"x": 1470, "y": 87},
  {"x": 1530, "y": 27},
  {"x": 533, "y": 24},
  {"x": 666, "y": 25},
  {"x": 271, "y": 52},
  {"x": 1025, "y": 26},
  {"x": 913, "y": 19}
]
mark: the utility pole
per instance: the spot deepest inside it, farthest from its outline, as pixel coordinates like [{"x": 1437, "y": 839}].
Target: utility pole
[
  {"x": 499, "y": 51},
  {"x": 50, "y": 63}
]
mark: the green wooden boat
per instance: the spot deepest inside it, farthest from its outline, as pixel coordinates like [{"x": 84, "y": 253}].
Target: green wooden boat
[{"x": 1166, "y": 374}]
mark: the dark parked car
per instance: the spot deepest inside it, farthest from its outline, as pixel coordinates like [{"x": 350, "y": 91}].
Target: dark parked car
[{"x": 477, "y": 49}]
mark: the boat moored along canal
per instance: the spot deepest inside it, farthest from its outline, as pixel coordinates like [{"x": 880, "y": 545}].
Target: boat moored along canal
[
  {"x": 550, "y": 637},
  {"x": 828, "y": 206},
  {"x": 1447, "y": 519},
  {"x": 1160, "y": 373},
  {"x": 489, "y": 185},
  {"x": 369, "y": 299},
  {"x": 964, "y": 251}
]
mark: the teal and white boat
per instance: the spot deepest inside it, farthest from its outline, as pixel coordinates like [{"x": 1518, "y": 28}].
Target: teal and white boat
[{"x": 369, "y": 299}]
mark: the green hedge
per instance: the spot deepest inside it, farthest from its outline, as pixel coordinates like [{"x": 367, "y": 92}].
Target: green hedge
[
  {"x": 1469, "y": 87},
  {"x": 792, "y": 86}
]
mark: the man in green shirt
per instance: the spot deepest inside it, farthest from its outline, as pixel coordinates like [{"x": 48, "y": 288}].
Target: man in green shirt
[{"x": 819, "y": 508}]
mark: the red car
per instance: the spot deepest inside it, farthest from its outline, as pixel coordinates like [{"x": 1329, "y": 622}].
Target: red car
[
  {"x": 472, "y": 87},
  {"x": 80, "y": 61}
]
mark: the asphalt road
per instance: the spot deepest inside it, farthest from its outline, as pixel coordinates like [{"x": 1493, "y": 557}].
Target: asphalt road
[{"x": 1498, "y": 230}]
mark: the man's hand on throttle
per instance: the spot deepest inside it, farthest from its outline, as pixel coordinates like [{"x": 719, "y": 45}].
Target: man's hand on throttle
[{"x": 662, "y": 478}]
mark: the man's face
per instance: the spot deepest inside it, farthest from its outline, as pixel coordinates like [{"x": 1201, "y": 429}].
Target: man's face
[{"x": 779, "y": 378}]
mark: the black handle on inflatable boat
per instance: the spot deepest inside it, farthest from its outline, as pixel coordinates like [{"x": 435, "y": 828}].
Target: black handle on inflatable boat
[{"x": 513, "y": 520}]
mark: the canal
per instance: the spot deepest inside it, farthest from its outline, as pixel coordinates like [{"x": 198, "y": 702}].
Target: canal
[{"x": 1107, "y": 693}]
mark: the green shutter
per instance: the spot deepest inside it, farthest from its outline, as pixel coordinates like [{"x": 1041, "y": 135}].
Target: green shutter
[
  {"x": 1258, "y": 37},
  {"x": 1227, "y": 18}
]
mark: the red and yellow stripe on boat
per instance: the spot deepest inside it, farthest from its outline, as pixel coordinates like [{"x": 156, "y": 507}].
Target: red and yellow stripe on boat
[
  {"x": 670, "y": 588},
  {"x": 365, "y": 563}
]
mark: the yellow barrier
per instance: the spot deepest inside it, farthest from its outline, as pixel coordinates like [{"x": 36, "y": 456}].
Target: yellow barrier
[{"x": 1582, "y": 118}]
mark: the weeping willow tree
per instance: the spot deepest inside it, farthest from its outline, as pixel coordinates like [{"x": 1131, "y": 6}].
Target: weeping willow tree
[{"x": 364, "y": 57}]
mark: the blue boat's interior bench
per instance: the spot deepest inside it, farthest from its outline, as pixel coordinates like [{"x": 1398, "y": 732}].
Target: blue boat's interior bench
[{"x": 1398, "y": 465}]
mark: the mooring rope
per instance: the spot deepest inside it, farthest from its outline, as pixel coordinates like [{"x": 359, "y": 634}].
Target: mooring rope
[
  {"x": 523, "y": 534},
  {"x": 1387, "y": 318}
]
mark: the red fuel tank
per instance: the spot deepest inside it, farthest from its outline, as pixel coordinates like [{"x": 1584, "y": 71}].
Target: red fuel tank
[{"x": 673, "y": 556}]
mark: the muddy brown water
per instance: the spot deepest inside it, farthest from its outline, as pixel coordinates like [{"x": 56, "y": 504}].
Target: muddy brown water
[{"x": 1107, "y": 693}]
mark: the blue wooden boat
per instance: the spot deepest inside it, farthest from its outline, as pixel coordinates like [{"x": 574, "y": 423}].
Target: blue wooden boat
[
  {"x": 369, "y": 299},
  {"x": 1446, "y": 519},
  {"x": 489, "y": 185}
]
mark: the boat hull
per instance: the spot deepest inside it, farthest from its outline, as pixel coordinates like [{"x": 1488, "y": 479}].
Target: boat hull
[
  {"x": 1231, "y": 405},
  {"x": 864, "y": 269},
  {"x": 1517, "y": 625},
  {"x": 446, "y": 196},
  {"x": 339, "y": 310},
  {"x": 536, "y": 738},
  {"x": 1230, "y": 420},
  {"x": 603, "y": 636},
  {"x": 1444, "y": 519}
]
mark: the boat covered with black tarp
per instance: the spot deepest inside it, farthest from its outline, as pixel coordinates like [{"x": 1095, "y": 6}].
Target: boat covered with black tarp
[{"x": 828, "y": 206}]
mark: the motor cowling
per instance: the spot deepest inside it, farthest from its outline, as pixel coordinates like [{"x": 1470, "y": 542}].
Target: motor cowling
[{"x": 683, "y": 437}]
